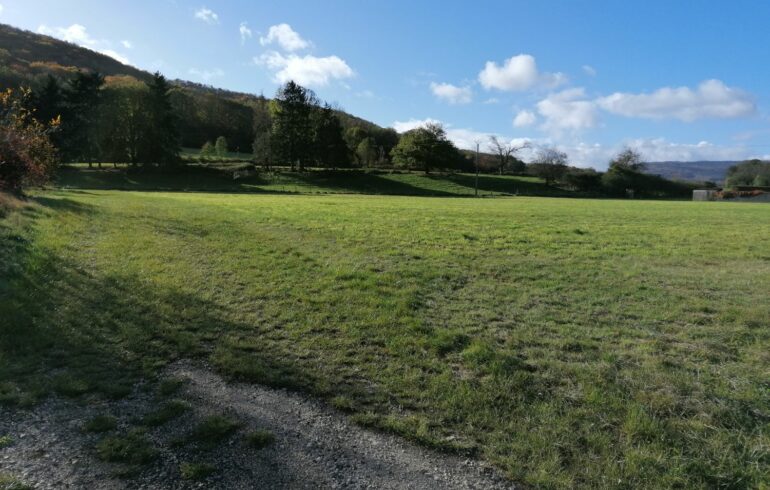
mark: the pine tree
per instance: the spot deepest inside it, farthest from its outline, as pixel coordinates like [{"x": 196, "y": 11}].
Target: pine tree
[
  {"x": 79, "y": 138},
  {"x": 292, "y": 134},
  {"x": 162, "y": 137}
]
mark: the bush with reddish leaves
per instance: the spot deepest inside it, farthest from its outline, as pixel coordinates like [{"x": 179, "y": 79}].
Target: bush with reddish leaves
[{"x": 27, "y": 156}]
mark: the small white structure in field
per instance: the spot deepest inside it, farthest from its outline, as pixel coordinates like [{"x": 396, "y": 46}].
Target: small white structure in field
[{"x": 704, "y": 195}]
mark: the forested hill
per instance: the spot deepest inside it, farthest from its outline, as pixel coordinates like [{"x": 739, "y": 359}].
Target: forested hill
[
  {"x": 712, "y": 171},
  {"x": 27, "y": 58}
]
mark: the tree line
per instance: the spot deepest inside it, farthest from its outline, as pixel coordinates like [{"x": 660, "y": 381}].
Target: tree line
[{"x": 89, "y": 118}]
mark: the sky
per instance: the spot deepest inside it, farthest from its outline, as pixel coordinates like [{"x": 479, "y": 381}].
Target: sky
[{"x": 682, "y": 80}]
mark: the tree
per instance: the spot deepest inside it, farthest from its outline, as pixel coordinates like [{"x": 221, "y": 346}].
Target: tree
[
  {"x": 79, "y": 127},
  {"x": 426, "y": 148},
  {"x": 506, "y": 153},
  {"x": 367, "y": 152},
  {"x": 550, "y": 165},
  {"x": 208, "y": 150},
  {"x": 220, "y": 147},
  {"x": 292, "y": 132},
  {"x": 162, "y": 138},
  {"x": 329, "y": 145},
  {"x": 263, "y": 123},
  {"x": 749, "y": 173},
  {"x": 123, "y": 122},
  {"x": 628, "y": 159},
  {"x": 27, "y": 156},
  {"x": 624, "y": 175}
]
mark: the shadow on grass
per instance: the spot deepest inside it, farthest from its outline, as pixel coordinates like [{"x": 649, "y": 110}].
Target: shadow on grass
[
  {"x": 69, "y": 330},
  {"x": 361, "y": 182}
]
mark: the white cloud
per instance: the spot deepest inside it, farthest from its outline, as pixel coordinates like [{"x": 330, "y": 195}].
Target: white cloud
[
  {"x": 1, "y": 9},
  {"x": 78, "y": 34},
  {"x": 518, "y": 73},
  {"x": 524, "y": 119},
  {"x": 245, "y": 32},
  {"x": 492, "y": 100},
  {"x": 115, "y": 55},
  {"x": 207, "y": 15},
  {"x": 305, "y": 70},
  {"x": 286, "y": 37},
  {"x": 127, "y": 44},
  {"x": 589, "y": 70},
  {"x": 567, "y": 110},
  {"x": 404, "y": 126},
  {"x": 451, "y": 93},
  {"x": 711, "y": 99},
  {"x": 206, "y": 75}
]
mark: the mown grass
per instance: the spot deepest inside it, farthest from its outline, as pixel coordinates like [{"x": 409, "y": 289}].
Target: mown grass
[
  {"x": 220, "y": 179},
  {"x": 573, "y": 343}
]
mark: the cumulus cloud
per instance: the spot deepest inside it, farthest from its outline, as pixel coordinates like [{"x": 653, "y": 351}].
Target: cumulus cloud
[
  {"x": 1, "y": 9},
  {"x": 711, "y": 99},
  {"x": 518, "y": 73},
  {"x": 306, "y": 70},
  {"x": 207, "y": 15},
  {"x": 567, "y": 110},
  {"x": 451, "y": 93},
  {"x": 524, "y": 119},
  {"x": 589, "y": 70},
  {"x": 245, "y": 32},
  {"x": 206, "y": 75},
  {"x": 404, "y": 126},
  {"x": 126, "y": 44},
  {"x": 286, "y": 37},
  {"x": 78, "y": 34}
]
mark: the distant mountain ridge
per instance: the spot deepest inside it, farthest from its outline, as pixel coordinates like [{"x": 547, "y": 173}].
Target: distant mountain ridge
[{"x": 701, "y": 171}]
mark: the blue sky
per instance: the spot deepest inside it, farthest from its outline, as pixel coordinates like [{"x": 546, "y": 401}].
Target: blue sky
[{"x": 683, "y": 80}]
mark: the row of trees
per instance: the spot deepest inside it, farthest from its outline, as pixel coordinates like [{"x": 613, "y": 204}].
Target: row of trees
[
  {"x": 624, "y": 177},
  {"x": 126, "y": 121},
  {"x": 295, "y": 128}
]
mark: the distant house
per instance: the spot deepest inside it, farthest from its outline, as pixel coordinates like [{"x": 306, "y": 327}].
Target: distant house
[
  {"x": 738, "y": 193},
  {"x": 705, "y": 195}
]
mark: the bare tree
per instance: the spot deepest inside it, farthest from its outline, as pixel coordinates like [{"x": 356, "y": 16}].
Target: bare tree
[
  {"x": 550, "y": 165},
  {"x": 505, "y": 151}
]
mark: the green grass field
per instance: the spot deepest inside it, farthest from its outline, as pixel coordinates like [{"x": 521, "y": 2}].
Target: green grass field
[
  {"x": 219, "y": 179},
  {"x": 590, "y": 343}
]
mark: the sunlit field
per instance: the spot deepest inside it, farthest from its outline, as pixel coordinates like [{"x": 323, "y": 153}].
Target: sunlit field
[{"x": 569, "y": 342}]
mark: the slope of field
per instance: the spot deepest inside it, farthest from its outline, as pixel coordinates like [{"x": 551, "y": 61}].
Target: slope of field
[
  {"x": 196, "y": 179},
  {"x": 570, "y": 342}
]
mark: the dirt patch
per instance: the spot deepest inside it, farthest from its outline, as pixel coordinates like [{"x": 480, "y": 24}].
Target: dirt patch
[{"x": 308, "y": 445}]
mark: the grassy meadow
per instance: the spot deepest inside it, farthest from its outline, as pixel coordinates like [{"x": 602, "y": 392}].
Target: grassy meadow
[{"x": 592, "y": 343}]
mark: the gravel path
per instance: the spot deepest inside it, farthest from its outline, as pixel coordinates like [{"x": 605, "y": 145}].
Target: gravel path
[{"x": 315, "y": 447}]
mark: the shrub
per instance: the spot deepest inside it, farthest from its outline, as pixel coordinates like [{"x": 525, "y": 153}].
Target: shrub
[{"x": 27, "y": 156}]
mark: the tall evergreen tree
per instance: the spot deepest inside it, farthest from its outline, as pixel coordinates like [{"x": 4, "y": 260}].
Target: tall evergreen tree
[
  {"x": 80, "y": 117},
  {"x": 292, "y": 135},
  {"x": 47, "y": 104},
  {"x": 162, "y": 138}
]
